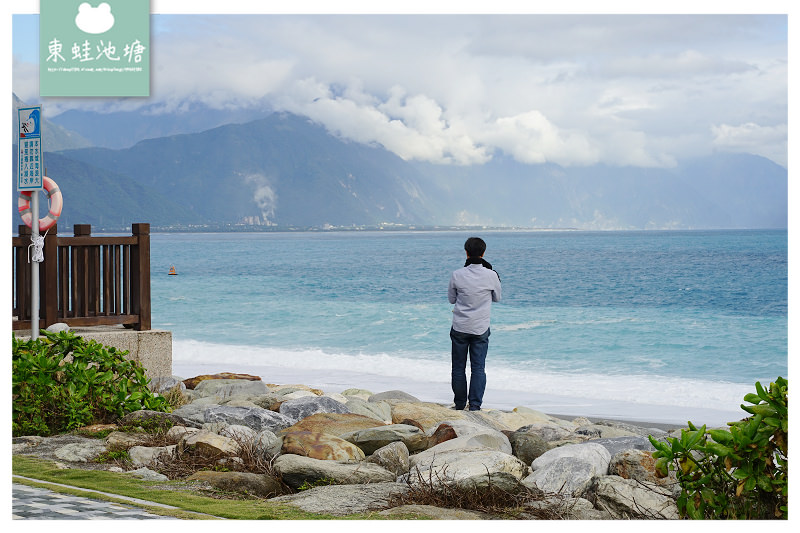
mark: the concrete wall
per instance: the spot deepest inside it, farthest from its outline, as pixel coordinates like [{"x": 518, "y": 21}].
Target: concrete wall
[{"x": 152, "y": 348}]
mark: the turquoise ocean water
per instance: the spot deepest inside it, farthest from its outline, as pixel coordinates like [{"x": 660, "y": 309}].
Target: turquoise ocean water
[{"x": 637, "y": 325}]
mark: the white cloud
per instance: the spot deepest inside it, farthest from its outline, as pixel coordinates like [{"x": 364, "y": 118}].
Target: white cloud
[
  {"x": 766, "y": 141},
  {"x": 575, "y": 90}
]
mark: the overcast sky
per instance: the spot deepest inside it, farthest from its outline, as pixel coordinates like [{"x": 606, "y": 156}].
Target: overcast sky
[{"x": 569, "y": 89}]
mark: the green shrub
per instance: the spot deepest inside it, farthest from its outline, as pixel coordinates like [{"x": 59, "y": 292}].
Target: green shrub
[
  {"x": 736, "y": 473},
  {"x": 61, "y": 382}
]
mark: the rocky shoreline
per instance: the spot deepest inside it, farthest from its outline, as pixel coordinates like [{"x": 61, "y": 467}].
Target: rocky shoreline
[{"x": 359, "y": 451}]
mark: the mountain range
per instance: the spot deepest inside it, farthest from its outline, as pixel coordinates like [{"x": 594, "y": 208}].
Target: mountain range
[{"x": 284, "y": 171}]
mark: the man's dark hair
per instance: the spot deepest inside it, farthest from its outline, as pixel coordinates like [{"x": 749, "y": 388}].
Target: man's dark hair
[{"x": 475, "y": 247}]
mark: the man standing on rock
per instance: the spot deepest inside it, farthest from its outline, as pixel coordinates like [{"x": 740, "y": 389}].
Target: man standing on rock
[{"x": 472, "y": 289}]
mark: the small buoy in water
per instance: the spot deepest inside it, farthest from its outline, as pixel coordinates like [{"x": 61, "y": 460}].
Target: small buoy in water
[{"x": 172, "y": 271}]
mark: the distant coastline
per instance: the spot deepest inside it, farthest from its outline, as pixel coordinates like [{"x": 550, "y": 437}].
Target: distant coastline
[{"x": 421, "y": 228}]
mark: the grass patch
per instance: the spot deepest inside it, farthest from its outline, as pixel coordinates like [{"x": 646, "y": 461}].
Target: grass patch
[{"x": 178, "y": 495}]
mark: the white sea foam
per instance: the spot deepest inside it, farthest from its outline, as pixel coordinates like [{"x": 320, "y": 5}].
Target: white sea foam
[{"x": 644, "y": 397}]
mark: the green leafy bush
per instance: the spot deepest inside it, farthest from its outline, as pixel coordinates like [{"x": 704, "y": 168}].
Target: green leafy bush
[
  {"x": 736, "y": 473},
  {"x": 61, "y": 381}
]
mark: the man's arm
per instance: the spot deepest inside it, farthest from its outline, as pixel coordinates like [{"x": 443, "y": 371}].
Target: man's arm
[
  {"x": 452, "y": 292},
  {"x": 497, "y": 292}
]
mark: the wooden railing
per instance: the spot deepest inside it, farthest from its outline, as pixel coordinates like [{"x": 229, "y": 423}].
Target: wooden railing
[{"x": 85, "y": 280}]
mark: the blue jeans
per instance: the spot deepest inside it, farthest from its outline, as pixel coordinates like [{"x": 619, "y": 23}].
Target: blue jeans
[{"x": 476, "y": 346}]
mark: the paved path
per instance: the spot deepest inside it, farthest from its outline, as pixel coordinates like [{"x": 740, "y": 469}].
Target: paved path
[{"x": 35, "y": 503}]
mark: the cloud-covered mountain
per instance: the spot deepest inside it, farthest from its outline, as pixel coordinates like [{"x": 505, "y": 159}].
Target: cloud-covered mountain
[{"x": 287, "y": 171}]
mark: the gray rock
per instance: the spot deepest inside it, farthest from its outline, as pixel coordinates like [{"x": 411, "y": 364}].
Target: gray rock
[
  {"x": 632, "y": 428},
  {"x": 145, "y": 455},
  {"x": 255, "y": 418},
  {"x": 547, "y": 431},
  {"x": 527, "y": 446},
  {"x": 80, "y": 452},
  {"x": 567, "y": 508},
  {"x": 296, "y": 470},
  {"x": 58, "y": 327},
  {"x": 300, "y": 408},
  {"x": 209, "y": 443},
  {"x": 479, "y": 441},
  {"x": 342, "y": 500},
  {"x": 175, "y": 433},
  {"x": 594, "y": 454},
  {"x": 163, "y": 384},
  {"x": 472, "y": 469},
  {"x": 599, "y": 431},
  {"x": 565, "y": 475},
  {"x": 378, "y": 410},
  {"x": 123, "y": 440},
  {"x": 261, "y": 485},
  {"x": 362, "y": 394},
  {"x": 393, "y": 395},
  {"x": 370, "y": 439},
  {"x": 226, "y": 388},
  {"x": 267, "y": 443},
  {"x": 640, "y": 465},
  {"x": 194, "y": 411},
  {"x": 147, "y": 474},
  {"x": 393, "y": 457},
  {"x": 627, "y": 498},
  {"x": 434, "y": 513},
  {"x": 621, "y": 444},
  {"x": 153, "y": 419},
  {"x": 239, "y": 433}
]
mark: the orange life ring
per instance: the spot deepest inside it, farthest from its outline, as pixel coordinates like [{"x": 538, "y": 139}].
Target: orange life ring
[{"x": 56, "y": 203}]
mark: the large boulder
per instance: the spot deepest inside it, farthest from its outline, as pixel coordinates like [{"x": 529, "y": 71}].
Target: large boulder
[
  {"x": 192, "y": 383},
  {"x": 261, "y": 485},
  {"x": 80, "y": 452},
  {"x": 300, "y": 408},
  {"x": 640, "y": 465},
  {"x": 227, "y": 388},
  {"x": 297, "y": 469},
  {"x": 427, "y": 415},
  {"x": 378, "y": 410},
  {"x": 473, "y": 469},
  {"x": 342, "y": 500},
  {"x": 468, "y": 428},
  {"x": 527, "y": 446},
  {"x": 267, "y": 444},
  {"x": 478, "y": 441},
  {"x": 362, "y": 394},
  {"x": 145, "y": 455},
  {"x": 208, "y": 443},
  {"x": 566, "y": 475},
  {"x": 123, "y": 440},
  {"x": 370, "y": 439},
  {"x": 546, "y": 430},
  {"x": 620, "y": 444},
  {"x": 320, "y": 446},
  {"x": 431, "y": 512},
  {"x": 393, "y": 396},
  {"x": 152, "y": 420},
  {"x": 255, "y": 418},
  {"x": 594, "y": 454},
  {"x": 519, "y": 417},
  {"x": 333, "y": 423},
  {"x": 393, "y": 457},
  {"x": 628, "y": 498}
]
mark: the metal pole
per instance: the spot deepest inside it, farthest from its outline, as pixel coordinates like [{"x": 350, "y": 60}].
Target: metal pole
[{"x": 34, "y": 267}]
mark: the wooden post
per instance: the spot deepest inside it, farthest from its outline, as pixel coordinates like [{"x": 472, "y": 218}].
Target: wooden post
[
  {"x": 140, "y": 267},
  {"x": 23, "y": 288},
  {"x": 49, "y": 276}
]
